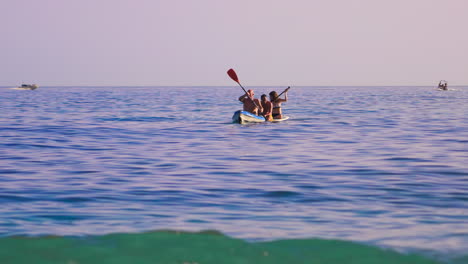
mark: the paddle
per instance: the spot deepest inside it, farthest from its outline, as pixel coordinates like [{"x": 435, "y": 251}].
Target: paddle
[
  {"x": 233, "y": 76},
  {"x": 281, "y": 94}
]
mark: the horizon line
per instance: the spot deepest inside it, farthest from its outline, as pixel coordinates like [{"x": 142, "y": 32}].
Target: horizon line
[{"x": 387, "y": 85}]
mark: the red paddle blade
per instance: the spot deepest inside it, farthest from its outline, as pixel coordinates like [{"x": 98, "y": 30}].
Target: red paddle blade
[{"x": 233, "y": 75}]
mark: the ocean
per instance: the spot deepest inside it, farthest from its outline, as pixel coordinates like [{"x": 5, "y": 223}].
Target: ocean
[{"x": 162, "y": 175}]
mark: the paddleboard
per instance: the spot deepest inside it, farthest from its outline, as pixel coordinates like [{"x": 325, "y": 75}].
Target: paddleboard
[
  {"x": 281, "y": 119},
  {"x": 244, "y": 117}
]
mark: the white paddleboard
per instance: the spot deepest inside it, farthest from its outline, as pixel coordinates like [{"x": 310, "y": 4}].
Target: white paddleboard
[{"x": 282, "y": 119}]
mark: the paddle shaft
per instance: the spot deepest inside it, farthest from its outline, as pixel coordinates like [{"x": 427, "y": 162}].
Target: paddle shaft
[
  {"x": 251, "y": 99},
  {"x": 245, "y": 91},
  {"x": 281, "y": 94},
  {"x": 234, "y": 77}
]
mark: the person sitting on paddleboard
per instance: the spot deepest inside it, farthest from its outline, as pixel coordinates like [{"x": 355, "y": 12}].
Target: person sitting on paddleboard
[
  {"x": 276, "y": 101},
  {"x": 267, "y": 108},
  {"x": 251, "y": 104}
]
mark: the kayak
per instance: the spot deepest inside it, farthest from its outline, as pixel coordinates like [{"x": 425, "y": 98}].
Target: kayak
[{"x": 244, "y": 117}]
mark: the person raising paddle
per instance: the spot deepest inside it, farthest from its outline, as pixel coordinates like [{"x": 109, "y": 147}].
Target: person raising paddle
[
  {"x": 276, "y": 101},
  {"x": 251, "y": 104}
]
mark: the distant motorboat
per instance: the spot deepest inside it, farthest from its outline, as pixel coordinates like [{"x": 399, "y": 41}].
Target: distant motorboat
[
  {"x": 442, "y": 85},
  {"x": 27, "y": 87}
]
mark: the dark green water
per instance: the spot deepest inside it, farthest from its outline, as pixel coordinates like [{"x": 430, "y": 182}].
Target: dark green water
[{"x": 173, "y": 247}]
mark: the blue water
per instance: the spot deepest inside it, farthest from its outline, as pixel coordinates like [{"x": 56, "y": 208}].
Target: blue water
[{"x": 385, "y": 166}]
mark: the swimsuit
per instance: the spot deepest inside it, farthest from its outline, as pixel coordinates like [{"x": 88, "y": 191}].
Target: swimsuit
[{"x": 275, "y": 115}]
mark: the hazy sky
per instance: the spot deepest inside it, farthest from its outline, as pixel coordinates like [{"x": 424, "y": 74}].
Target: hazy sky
[{"x": 268, "y": 42}]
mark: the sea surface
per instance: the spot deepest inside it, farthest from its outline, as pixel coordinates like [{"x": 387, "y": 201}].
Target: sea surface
[{"x": 161, "y": 175}]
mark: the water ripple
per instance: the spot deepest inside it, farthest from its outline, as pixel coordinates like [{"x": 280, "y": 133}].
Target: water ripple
[{"x": 383, "y": 165}]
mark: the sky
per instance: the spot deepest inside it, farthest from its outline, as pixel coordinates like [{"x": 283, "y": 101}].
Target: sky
[{"x": 267, "y": 42}]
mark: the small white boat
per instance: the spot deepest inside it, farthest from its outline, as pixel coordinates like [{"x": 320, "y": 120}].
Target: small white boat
[{"x": 26, "y": 87}]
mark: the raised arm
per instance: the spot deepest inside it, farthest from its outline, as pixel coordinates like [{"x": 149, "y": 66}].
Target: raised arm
[
  {"x": 242, "y": 97},
  {"x": 281, "y": 100},
  {"x": 285, "y": 95}
]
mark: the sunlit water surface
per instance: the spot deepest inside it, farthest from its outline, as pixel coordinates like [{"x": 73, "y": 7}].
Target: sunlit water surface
[{"x": 385, "y": 166}]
